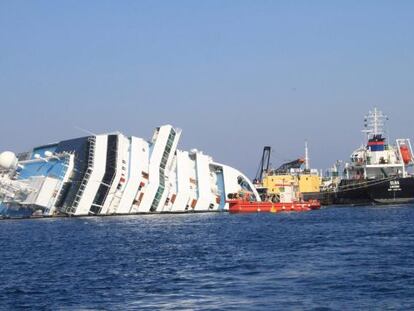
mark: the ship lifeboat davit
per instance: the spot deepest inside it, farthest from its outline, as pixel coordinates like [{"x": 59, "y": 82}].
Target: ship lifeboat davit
[{"x": 405, "y": 153}]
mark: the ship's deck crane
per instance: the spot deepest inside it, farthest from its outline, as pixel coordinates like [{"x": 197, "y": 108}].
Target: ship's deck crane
[
  {"x": 285, "y": 168},
  {"x": 264, "y": 164}
]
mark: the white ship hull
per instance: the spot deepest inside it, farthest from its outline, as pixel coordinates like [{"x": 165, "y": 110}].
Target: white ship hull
[{"x": 113, "y": 174}]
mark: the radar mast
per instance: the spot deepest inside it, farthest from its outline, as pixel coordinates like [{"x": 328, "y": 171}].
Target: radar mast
[{"x": 374, "y": 123}]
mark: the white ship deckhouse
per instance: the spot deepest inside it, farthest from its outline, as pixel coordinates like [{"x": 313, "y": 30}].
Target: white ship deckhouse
[{"x": 112, "y": 174}]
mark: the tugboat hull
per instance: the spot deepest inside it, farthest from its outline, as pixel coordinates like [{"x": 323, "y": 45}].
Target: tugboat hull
[{"x": 244, "y": 206}]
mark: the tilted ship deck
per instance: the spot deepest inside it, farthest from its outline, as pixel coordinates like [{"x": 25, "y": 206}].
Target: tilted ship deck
[{"x": 114, "y": 174}]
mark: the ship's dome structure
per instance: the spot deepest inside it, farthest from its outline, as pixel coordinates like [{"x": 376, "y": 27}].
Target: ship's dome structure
[{"x": 8, "y": 160}]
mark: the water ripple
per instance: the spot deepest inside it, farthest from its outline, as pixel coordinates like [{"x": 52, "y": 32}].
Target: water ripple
[{"x": 333, "y": 259}]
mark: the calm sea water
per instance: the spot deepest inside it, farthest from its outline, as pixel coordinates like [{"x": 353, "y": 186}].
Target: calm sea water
[{"x": 332, "y": 259}]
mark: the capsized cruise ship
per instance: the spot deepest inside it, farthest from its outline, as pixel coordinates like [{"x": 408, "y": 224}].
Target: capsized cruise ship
[{"x": 112, "y": 174}]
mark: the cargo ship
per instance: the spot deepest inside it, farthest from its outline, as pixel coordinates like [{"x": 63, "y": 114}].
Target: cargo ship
[
  {"x": 378, "y": 172},
  {"x": 296, "y": 174},
  {"x": 279, "y": 190},
  {"x": 112, "y": 174}
]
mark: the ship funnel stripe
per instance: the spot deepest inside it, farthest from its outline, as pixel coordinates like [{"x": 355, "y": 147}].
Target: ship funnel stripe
[{"x": 376, "y": 143}]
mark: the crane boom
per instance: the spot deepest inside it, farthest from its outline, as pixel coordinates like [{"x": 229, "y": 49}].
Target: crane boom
[{"x": 264, "y": 164}]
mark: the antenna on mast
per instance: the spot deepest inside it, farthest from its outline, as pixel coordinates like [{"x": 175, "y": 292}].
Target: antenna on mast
[
  {"x": 306, "y": 156},
  {"x": 374, "y": 123},
  {"x": 84, "y": 130}
]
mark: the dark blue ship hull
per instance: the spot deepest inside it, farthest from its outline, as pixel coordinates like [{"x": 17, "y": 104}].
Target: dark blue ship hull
[{"x": 397, "y": 190}]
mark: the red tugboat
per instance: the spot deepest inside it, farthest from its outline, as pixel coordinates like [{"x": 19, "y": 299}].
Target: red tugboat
[{"x": 241, "y": 203}]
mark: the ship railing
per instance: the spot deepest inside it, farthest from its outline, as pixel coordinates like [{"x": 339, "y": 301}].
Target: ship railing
[
  {"x": 60, "y": 177},
  {"x": 85, "y": 180},
  {"x": 108, "y": 192}
]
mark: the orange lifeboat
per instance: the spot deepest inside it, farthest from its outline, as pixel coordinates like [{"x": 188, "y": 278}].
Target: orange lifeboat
[{"x": 406, "y": 155}]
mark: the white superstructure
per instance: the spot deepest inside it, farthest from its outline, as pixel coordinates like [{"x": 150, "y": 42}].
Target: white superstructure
[
  {"x": 114, "y": 174},
  {"x": 378, "y": 159}
]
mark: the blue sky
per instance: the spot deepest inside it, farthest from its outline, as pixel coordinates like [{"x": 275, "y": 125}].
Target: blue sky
[{"x": 234, "y": 75}]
